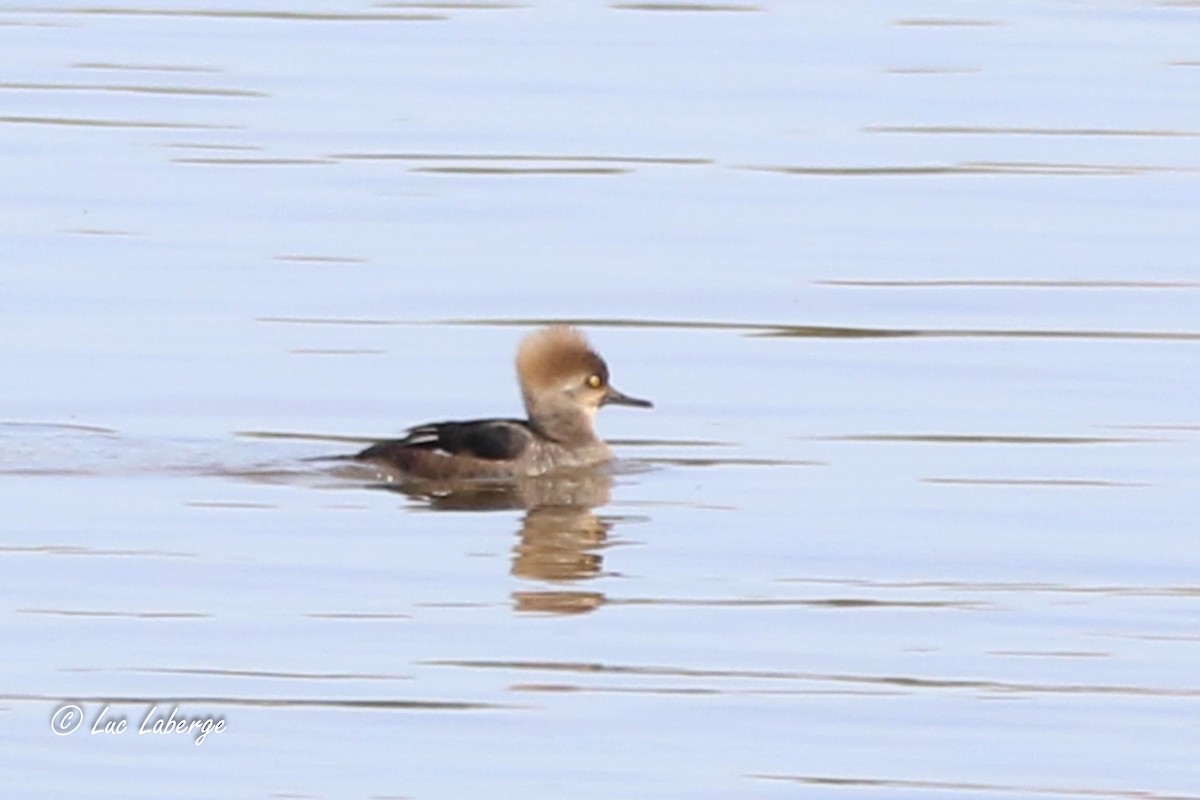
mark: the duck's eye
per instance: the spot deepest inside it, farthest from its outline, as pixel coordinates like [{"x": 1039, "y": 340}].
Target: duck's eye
[{"x": 595, "y": 381}]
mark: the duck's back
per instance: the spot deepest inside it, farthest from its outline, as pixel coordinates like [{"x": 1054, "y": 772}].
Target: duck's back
[{"x": 473, "y": 449}]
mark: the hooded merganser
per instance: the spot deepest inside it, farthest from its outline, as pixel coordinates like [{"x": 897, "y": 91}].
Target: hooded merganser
[{"x": 563, "y": 383}]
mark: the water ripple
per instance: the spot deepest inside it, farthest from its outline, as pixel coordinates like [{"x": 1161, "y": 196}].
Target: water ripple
[
  {"x": 907, "y": 682},
  {"x": 960, "y": 786},
  {"x": 370, "y": 704},
  {"x": 232, "y": 14},
  {"x": 759, "y": 329}
]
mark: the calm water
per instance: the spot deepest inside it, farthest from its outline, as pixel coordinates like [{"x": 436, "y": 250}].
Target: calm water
[{"x": 913, "y": 286}]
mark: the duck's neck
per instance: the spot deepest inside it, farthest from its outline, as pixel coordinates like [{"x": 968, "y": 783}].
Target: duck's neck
[{"x": 569, "y": 426}]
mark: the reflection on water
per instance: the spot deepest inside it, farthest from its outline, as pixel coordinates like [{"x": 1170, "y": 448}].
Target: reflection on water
[
  {"x": 791, "y": 330},
  {"x": 945, "y": 22},
  {"x": 1012, "y": 284},
  {"x": 1015, "y": 588},
  {"x": 557, "y": 602},
  {"x": 117, "y": 67},
  {"x": 77, "y": 550},
  {"x": 253, "y": 673},
  {"x": 131, "y": 89},
  {"x": 933, "y": 70},
  {"x": 377, "y": 704},
  {"x": 832, "y": 782},
  {"x": 236, "y": 14},
  {"x": 715, "y": 7},
  {"x": 560, "y": 543},
  {"x": 974, "y": 168},
  {"x": 980, "y": 438},
  {"x": 905, "y": 684},
  {"x": 1083, "y": 483},
  {"x": 64, "y": 612},
  {"x": 1013, "y": 131},
  {"x": 94, "y": 122},
  {"x": 253, "y": 162},
  {"x": 560, "y": 539}
]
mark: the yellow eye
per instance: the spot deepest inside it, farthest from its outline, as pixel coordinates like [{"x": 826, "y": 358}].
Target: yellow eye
[{"x": 595, "y": 381}]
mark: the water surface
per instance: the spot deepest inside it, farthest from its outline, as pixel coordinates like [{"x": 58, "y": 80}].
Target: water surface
[{"x": 913, "y": 287}]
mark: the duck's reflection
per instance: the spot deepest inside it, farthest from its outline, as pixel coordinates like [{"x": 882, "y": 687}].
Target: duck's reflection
[
  {"x": 560, "y": 543},
  {"x": 561, "y": 539}
]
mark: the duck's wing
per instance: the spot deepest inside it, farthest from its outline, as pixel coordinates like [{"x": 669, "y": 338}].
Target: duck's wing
[
  {"x": 430, "y": 448},
  {"x": 493, "y": 439}
]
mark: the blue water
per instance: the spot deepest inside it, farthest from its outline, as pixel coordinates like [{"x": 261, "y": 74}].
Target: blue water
[{"x": 913, "y": 289}]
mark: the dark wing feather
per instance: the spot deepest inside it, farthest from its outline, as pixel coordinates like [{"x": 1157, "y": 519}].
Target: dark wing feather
[
  {"x": 489, "y": 439},
  {"x": 499, "y": 440}
]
